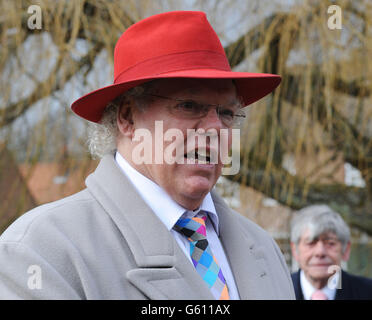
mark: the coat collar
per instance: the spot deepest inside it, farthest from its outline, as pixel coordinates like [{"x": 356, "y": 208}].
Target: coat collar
[{"x": 162, "y": 268}]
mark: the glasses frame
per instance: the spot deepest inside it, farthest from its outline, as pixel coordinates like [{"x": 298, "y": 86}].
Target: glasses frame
[{"x": 238, "y": 117}]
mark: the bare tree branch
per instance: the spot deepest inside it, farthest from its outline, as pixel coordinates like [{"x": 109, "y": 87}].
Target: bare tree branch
[
  {"x": 357, "y": 149},
  {"x": 47, "y": 87}
]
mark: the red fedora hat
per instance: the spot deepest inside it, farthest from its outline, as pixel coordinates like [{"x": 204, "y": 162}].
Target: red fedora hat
[{"x": 179, "y": 44}]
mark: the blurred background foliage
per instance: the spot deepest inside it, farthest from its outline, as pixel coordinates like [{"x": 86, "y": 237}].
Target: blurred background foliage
[{"x": 309, "y": 142}]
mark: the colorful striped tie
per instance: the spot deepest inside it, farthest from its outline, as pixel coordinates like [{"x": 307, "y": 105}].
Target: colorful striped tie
[{"x": 202, "y": 257}]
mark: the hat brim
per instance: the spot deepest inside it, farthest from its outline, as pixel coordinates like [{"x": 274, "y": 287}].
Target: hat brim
[{"x": 250, "y": 86}]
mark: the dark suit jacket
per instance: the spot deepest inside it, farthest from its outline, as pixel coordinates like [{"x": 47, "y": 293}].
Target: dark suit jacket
[{"x": 352, "y": 287}]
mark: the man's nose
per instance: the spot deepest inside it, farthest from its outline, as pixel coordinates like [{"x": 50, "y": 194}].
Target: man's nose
[
  {"x": 320, "y": 249},
  {"x": 211, "y": 120}
]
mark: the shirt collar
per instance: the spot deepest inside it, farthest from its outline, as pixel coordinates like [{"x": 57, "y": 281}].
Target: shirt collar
[{"x": 165, "y": 208}]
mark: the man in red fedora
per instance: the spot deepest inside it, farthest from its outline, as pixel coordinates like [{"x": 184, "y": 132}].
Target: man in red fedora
[{"x": 148, "y": 225}]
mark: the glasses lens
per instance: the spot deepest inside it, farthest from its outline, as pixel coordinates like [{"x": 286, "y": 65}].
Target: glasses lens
[
  {"x": 226, "y": 116},
  {"x": 188, "y": 109}
]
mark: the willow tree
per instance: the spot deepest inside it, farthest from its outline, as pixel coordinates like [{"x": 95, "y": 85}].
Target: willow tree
[{"x": 323, "y": 103}]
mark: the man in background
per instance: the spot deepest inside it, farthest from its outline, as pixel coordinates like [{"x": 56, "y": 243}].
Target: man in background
[{"x": 320, "y": 241}]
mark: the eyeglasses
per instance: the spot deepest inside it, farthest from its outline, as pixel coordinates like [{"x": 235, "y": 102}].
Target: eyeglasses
[{"x": 230, "y": 115}]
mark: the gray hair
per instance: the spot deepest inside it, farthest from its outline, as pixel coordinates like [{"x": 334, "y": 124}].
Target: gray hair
[
  {"x": 319, "y": 219},
  {"x": 102, "y": 136}
]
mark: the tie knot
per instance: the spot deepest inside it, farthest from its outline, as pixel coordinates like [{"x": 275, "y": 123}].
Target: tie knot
[
  {"x": 192, "y": 228},
  {"x": 319, "y": 295}
]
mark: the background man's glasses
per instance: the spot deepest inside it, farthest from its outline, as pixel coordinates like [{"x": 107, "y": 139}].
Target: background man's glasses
[{"x": 230, "y": 115}]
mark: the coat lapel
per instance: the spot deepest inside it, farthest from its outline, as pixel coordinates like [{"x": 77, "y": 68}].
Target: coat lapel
[
  {"x": 162, "y": 271},
  {"x": 244, "y": 254},
  {"x": 297, "y": 285}
]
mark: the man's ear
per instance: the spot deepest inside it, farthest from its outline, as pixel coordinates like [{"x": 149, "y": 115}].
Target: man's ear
[
  {"x": 125, "y": 120},
  {"x": 346, "y": 253},
  {"x": 294, "y": 251}
]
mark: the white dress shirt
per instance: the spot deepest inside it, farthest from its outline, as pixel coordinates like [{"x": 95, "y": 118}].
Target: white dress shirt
[
  {"x": 308, "y": 289},
  {"x": 168, "y": 211}
]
